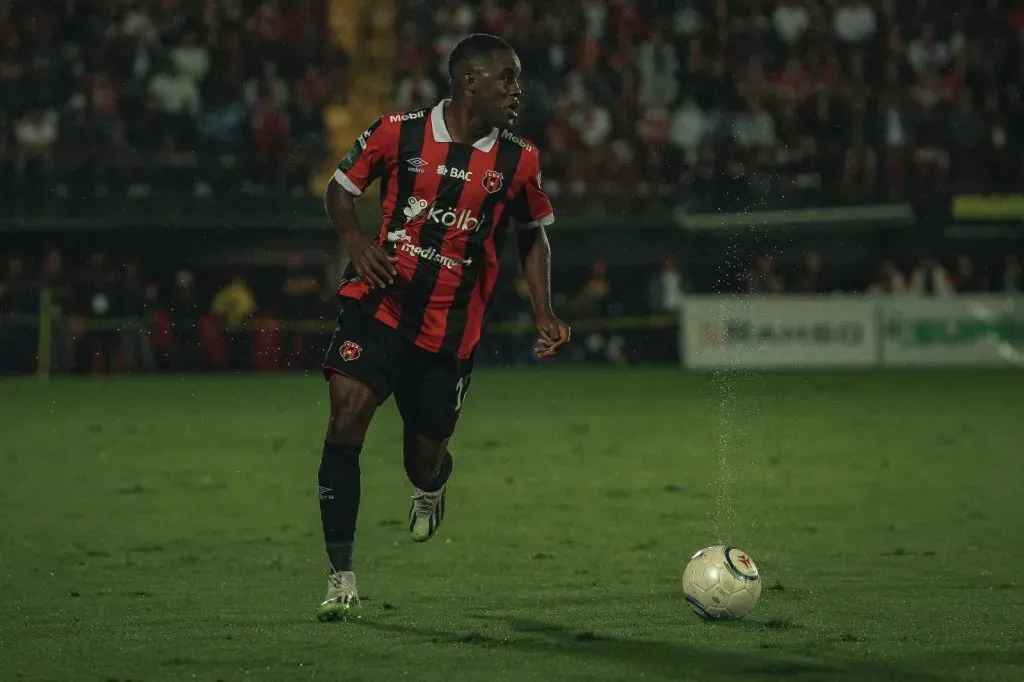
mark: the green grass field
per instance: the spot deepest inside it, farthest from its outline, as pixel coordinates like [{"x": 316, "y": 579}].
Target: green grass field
[{"x": 168, "y": 529}]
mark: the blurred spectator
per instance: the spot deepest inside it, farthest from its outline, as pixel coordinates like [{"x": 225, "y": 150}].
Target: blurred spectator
[
  {"x": 965, "y": 279},
  {"x": 35, "y": 137},
  {"x": 266, "y": 85},
  {"x": 97, "y": 312},
  {"x": 689, "y": 125},
  {"x": 233, "y": 306},
  {"x": 593, "y": 297},
  {"x": 592, "y": 123},
  {"x": 888, "y": 280},
  {"x": 754, "y": 127},
  {"x": 854, "y": 22},
  {"x": 809, "y": 279},
  {"x": 790, "y": 20},
  {"x": 176, "y": 96},
  {"x": 135, "y": 299},
  {"x": 191, "y": 58},
  {"x": 1013, "y": 275},
  {"x": 19, "y": 297},
  {"x": 271, "y": 130},
  {"x": 688, "y": 20},
  {"x": 658, "y": 68},
  {"x": 761, "y": 278},
  {"x": 929, "y": 278},
  {"x": 926, "y": 52},
  {"x": 666, "y": 289},
  {"x": 186, "y": 312},
  {"x": 417, "y": 90}
]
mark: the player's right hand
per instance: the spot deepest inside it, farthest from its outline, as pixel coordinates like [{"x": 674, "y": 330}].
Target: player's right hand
[{"x": 373, "y": 265}]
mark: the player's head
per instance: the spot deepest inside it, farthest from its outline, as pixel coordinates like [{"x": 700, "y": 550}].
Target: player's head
[{"x": 484, "y": 71}]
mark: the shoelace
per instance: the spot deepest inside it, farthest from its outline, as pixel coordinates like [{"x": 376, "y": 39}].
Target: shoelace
[
  {"x": 424, "y": 502},
  {"x": 339, "y": 583}
]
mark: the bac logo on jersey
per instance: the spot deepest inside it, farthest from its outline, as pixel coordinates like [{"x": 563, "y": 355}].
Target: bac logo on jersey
[
  {"x": 492, "y": 181},
  {"x": 350, "y": 350},
  {"x": 412, "y": 116},
  {"x": 455, "y": 173},
  {"x": 416, "y": 165}
]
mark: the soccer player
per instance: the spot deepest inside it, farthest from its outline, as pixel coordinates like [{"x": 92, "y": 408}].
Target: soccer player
[{"x": 413, "y": 300}]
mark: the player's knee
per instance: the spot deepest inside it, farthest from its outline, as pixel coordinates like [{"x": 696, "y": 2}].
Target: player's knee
[
  {"x": 423, "y": 457},
  {"x": 352, "y": 408},
  {"x": 345, "y": 428}
]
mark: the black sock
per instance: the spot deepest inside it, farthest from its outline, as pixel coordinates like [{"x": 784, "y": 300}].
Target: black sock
[{"x": 339, "y": 502}]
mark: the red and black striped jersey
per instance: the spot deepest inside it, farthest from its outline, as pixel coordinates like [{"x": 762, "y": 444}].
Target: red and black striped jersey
[{"x": 446, "y": 210}]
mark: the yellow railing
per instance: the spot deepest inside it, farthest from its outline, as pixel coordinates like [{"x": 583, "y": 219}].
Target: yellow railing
[{"x": 366, "y": 30}]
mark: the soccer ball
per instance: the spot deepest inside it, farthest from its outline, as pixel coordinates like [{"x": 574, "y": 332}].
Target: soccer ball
[{"x": 721, "y": 583}]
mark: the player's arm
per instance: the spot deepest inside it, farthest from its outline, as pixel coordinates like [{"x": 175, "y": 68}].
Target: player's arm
[
  {"x": 364, "y": 163},
  {"x": 532, "y": 212},
  {"x": 535, "y": 259}
]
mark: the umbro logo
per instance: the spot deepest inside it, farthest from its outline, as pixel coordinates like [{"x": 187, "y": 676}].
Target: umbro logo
[
  {"x": 416, "y": 165},
  {"x": 326, "y": 493}
]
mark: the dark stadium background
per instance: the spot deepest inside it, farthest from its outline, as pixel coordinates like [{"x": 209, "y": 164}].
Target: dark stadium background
[
  {"x": 683, "y": 142},
  {"x": 830, "y": 187}
]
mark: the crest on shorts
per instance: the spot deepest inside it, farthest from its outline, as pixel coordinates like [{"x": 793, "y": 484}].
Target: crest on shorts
[
  {"x": 492, "y": 181},
  {"x": 350, "y": 350}
]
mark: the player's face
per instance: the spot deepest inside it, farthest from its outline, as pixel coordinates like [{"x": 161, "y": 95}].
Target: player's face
[{"x": 499, "y": 96}]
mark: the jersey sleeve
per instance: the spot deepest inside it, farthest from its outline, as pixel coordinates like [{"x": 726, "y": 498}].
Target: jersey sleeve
[
  {"x": 366, "y": 161},
  {"x": 531, "y": 207}
]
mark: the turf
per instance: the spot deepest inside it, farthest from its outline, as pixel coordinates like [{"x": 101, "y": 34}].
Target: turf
[{"x": 167, "y": 529}]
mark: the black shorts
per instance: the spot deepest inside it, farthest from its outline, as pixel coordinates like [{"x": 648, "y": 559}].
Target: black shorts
[{"x": 429, "y": 388}]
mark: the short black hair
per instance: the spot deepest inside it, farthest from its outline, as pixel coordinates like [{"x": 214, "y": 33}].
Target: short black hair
[{"x": 471, "y": 47}]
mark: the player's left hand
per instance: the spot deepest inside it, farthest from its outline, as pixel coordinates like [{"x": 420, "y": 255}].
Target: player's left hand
[{"x": 553, "y": 335}]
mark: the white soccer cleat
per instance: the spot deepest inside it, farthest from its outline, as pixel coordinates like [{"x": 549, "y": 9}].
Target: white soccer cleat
[
  {"x": 426, "y": 513},
  {"x": 342, "y": 602}
]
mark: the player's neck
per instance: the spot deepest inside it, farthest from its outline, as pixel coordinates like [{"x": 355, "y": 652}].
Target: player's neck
[{"x": 462, "y": 125}]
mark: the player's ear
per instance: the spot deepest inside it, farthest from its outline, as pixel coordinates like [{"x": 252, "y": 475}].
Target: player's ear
[{"x": 469, "y": 79}]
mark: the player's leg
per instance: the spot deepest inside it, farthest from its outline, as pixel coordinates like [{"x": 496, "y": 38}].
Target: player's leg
[
  {"x": 430, "y": 402},
  {"x": 428, "y": 464},
  {"x": 352, "y": 408},
  {"x": 356, "y": 368}
]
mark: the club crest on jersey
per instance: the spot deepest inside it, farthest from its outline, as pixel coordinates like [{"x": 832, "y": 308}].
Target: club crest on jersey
[
  {"x": 492, "y": 181},
  {"x": 350, "y": 350}
]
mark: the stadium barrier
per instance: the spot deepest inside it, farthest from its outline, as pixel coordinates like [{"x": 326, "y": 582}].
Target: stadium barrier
[
  {"x": 712, "y": 331},
  {"x": 50, "y": 341},
  {"x": 778, "y": 332}
]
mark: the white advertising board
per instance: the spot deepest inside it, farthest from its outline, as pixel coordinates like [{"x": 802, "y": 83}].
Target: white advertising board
[
  {"x": 961, "y": 330},
  {"x": 779, "y": 332}
]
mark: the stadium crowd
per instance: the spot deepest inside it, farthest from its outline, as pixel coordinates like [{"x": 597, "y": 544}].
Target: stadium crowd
[
  {"x": 847, "y": 98},
  {"x": 123, "y": 96}
]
